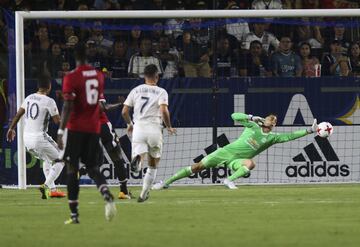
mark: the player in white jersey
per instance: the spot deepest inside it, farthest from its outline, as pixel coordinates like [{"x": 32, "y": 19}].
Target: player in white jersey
[
  {"x": 38, "y": 108},
  {"x": 150, "y": 109}
]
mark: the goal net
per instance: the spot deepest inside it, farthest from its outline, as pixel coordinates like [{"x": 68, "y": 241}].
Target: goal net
[{"x": 297, "y": 64}]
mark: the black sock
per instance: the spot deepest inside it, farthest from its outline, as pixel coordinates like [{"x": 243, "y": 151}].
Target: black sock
[
  {"x": 105, "y": 192},
  {"x": 73, "y": 205},
  {"x": 123, "y": 187},
  {"x": 121, "y": 174},
  {"x": 73, "y": 193}
]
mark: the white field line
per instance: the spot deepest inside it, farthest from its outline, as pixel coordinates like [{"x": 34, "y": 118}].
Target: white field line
[{"x": 190, "y": 202}]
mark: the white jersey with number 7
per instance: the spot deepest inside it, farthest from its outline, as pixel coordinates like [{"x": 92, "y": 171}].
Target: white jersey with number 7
[{"x": 146, "y": 101}]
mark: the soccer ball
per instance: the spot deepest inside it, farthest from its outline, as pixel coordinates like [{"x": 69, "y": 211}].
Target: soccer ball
[{"x": 324, "y": 129}]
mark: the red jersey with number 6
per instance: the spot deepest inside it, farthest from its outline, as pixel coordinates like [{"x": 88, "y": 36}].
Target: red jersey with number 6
[{"x": 85, "y": 87}]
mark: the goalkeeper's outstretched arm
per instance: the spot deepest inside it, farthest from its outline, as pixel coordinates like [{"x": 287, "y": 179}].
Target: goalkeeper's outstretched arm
[{"x": 286, "y": 137}]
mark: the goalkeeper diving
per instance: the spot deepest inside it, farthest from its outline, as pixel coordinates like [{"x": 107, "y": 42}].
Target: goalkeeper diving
[{"x": 256, "y": 137}]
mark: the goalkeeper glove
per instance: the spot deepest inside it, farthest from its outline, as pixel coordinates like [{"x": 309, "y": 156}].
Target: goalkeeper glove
[
  {"x": 313, "y": 127},
  {"x": 256, "y": 119}
]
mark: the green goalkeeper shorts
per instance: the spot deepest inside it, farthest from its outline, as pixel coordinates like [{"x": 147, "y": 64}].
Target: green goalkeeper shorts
[
  {"x": 217, "y": 158},
  {"x": 222, "y": 157}
]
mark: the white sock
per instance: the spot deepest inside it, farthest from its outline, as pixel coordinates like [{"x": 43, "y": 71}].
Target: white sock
[
  {"x": 148, "y": 181},
  {"x": 54, "y": 174},
  {"x": 46, "y": 168}
]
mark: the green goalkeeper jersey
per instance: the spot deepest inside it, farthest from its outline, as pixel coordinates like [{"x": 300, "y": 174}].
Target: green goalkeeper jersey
[{"x": 253, "y": 140}]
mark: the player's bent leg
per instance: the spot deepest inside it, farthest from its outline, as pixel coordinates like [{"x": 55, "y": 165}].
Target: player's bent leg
[
  {"x": 149, "y": 177},
  {"x": 240, "y": 168}
]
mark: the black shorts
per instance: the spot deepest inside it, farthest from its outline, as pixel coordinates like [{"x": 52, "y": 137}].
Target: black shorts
[
  {"x": 108, "y": 136},
  {"x": 82, "y": 146}
]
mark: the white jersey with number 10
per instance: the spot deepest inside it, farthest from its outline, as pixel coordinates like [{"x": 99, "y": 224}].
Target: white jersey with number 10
[
  {"x": 146, "y": 101},
  {"x": 38, "y": 110}
]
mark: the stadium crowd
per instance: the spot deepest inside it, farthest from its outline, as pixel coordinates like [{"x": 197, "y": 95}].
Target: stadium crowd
[{"x": 185, "y": 47}]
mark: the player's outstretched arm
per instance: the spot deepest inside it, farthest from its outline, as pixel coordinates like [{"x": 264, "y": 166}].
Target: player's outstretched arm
[
  {"x": 247, "y": 120},
  {"x": 110, "y": 107},
  {"x": 10, "y": 135},
  {"x": 286, "y": 137},
  {"x": 166, "y": 118}
]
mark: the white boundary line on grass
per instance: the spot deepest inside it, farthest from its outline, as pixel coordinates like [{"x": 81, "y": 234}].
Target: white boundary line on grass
[{"x": 202, "y": 185}]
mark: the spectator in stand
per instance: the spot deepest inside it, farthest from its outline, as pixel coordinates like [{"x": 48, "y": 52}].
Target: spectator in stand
[
  {"x": 310, "y": 64},
  {"x": 354, "y": 57},
  {"x": 256, "y": 62},
  {"x": 134, "y": 40},
  {"x": 198, "y": 34},
  {"x": 119, "y": 62},
  {"x": 233, "y": 42},
  {"x": 140, "y": 60},
  {"x": 267, "y": 39},
  {"x": 55, "y": 60},
  {"x": 285, "y": 62},
  {"x": 65, "y": 68},
  {"x": 195, "y": 57},
  {"x": 103, "y": 44},
  {"x": 237, "y": 27},
  {"x": 40, "y": 48},
  {"x": 95, "y": 58},
  {"x": 83, "y": 32},
  {"x": 266, "y": 4},
  {"x": 67, "y": 33},
  {"x": 174, "y": 27},
  {"x": 169, "y": 58},
  {"x": 338, "y": 33},
  {"x": 226, "y": 60},
  {"x": 309, "y": 34},
  {"x": 335, "y": 63},
  {"x": 157, "y": 32}
]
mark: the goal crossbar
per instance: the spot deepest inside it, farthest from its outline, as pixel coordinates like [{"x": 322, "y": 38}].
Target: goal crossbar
[{"x": 20, "y": 16}]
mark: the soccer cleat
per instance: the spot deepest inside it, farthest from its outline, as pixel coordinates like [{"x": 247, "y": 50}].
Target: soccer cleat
[
  {"x": 230, "y": 184},
  {"x": 123, "y": 196},
  {"x": 57, "y": 193},
  {"x": 135, "y": 164},
  {"x": 73, "y": 220},
  {"x": 44, "y": 190},
  {"x": 110, "y": 210},
  {"x": 143, "y": 199},
  {"x": 159, "y": 186}
]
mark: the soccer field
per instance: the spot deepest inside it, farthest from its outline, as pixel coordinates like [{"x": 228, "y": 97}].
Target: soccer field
[{"x": 309, "y": 215}]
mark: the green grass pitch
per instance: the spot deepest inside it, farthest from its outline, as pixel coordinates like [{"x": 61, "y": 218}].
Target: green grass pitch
[{"x": 308, "y": 215}]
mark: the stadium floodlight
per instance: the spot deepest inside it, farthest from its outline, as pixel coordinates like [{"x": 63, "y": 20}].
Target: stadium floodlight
[{"x": 21, "y": 16}]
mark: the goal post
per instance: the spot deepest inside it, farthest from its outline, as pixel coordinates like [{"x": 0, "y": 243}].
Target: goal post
[{"x": 21, "y": 16}]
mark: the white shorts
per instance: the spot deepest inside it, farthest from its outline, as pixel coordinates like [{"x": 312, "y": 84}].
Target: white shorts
[
  {"x": 147, "y": 138},
  {"x": 42, "y": 146}
]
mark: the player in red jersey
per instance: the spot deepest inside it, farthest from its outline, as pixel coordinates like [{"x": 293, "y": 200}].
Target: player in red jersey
[{"x": 82, "y": 90}]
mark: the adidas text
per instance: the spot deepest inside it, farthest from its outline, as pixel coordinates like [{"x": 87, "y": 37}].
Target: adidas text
[{"x": 320, "y": 170}]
